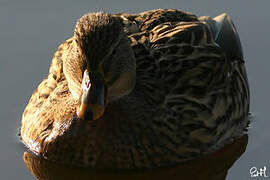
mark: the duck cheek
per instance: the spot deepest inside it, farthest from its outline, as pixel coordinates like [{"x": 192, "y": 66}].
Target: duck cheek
[{"x": 123, "y": 84}]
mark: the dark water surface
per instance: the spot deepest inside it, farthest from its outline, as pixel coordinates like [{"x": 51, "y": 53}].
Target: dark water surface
[{"x": 32, "y": 30}]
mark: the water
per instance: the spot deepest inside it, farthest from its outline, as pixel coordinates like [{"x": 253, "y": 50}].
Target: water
[{"x": 32, "y": 30}]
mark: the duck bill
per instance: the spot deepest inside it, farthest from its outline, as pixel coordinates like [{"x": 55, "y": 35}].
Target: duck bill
[{"x": 93, "y": 99}]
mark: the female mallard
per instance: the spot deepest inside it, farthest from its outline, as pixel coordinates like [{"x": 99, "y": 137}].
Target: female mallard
[{"x": 140, "y": 91}]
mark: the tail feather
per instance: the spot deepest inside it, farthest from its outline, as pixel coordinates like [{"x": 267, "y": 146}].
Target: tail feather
[
  {"x": 228, "y": 38},
  {"x": 225, "y": 35}
]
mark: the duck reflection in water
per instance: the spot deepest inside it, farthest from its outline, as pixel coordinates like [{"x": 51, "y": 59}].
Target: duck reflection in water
[{"x": 210, "y": 167}]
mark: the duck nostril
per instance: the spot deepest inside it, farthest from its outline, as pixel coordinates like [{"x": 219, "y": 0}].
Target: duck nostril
[{"x": 88, "y": 84}]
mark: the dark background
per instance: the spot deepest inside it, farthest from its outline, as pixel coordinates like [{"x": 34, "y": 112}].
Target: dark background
[{"x": 30, "y": 32}]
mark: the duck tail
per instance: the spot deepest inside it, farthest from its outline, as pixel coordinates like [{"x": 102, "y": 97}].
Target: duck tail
[{"x": 225, "y": 35}]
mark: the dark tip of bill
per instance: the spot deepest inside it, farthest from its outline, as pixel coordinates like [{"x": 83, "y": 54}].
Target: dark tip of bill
[{"x": 88, "y": 115}]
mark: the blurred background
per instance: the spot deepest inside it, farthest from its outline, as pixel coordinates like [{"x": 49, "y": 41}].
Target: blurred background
[{"x": 30, "y": 32}]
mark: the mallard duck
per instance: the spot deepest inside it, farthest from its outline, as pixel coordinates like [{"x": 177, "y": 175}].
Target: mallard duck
[{"x": 132, "y": 91}]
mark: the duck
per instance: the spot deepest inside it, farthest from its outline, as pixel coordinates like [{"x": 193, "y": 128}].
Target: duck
[{"x": 140, "y": 91}]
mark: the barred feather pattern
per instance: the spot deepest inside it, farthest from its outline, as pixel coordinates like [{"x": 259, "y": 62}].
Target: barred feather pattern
[{"x": 189, "y": 100}]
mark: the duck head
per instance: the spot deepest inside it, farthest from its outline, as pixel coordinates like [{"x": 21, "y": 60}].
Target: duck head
[{"x": 101, "y": 64}]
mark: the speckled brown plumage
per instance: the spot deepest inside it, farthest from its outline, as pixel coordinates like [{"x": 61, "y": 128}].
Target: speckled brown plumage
[{"x": 189, "y": 99}]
